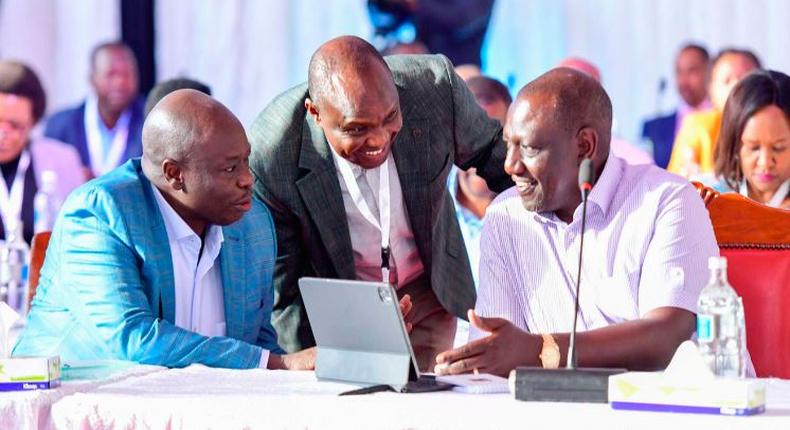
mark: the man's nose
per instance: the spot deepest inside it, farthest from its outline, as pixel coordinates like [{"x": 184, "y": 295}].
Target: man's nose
[
  {"x": 513, "y": 164},
  {"x": 245, "y": 179}
]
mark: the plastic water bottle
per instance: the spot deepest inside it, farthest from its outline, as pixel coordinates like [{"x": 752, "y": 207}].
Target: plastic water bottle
[
  {"x": 14, "y": 261},
  {"x": 45, "y": 203},
  {"x": 720, "y": 327}
]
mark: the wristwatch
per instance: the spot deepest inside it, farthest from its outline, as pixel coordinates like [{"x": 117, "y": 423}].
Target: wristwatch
[{"x": 550, "y": 354}]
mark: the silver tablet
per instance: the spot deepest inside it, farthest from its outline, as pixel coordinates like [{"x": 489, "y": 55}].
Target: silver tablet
[{"x": 360, "y": 332}]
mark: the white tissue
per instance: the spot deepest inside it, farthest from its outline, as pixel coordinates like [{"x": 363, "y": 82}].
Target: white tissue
[
  {"x": 8, "y": 317},
  {"x": 688, "y": 366}
]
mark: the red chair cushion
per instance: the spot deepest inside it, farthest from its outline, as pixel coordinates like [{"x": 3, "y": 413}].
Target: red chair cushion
[{"x": 762, "y": 278}]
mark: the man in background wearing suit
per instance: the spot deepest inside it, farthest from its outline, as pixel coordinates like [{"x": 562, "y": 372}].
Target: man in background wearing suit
[
  {"x": 692, "y": 67},
  {"x": 106, "y": 128},
  {"x": 165, "y": 260},
  {"x": 322, "y": 155}
]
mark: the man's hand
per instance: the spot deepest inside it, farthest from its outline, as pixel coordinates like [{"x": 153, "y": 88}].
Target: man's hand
[
  {"x": 405, "y": 308},
  {"x": 504, "y": 349},
  {"x": 302, "y": 360}
]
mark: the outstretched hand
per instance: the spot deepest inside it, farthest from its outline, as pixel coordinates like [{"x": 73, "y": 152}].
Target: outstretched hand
[{"x": 505, "y": 348}]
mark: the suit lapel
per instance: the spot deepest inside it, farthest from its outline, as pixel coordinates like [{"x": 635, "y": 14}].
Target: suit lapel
[
  {"x": 234, "y": 282},
  {"x": 410, "y": 151},
  {"x": 321, "y": 194}
]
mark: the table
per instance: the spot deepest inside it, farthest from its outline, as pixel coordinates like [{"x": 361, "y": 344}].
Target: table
[
  {"x": 31, "y": 409},
  {"x": 201, "y": 397}
]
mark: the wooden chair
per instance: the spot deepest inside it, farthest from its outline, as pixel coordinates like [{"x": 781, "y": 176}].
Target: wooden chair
[
  {"x": 755, "y": 239},
  {"x": 37, "y": 253}
]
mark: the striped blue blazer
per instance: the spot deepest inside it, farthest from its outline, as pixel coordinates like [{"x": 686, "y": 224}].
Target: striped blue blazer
[{"x": 107, "y": 291}]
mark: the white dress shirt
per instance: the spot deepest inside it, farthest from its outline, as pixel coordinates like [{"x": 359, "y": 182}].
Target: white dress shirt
[
  {"x": 405, "y": 263},
  {"x": 200, "y": 306}
]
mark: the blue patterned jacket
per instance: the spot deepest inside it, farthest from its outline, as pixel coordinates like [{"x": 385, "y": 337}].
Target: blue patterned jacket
[{"x": 107, "y": 292}]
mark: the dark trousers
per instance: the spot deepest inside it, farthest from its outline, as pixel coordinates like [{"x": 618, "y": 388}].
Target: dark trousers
[{"x": 433, "y": 328}]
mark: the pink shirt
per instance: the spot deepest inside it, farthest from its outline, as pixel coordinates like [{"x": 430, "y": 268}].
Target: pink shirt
[{"x": 643, "y": 224}]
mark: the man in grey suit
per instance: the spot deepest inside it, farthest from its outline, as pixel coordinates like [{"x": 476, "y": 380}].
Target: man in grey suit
[{"x": 366, "y": 134}]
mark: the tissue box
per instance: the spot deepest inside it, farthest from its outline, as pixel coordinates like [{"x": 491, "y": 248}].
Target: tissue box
[
  {"x": 649, "y": 391},
  {"x": 29, "y": 373}
]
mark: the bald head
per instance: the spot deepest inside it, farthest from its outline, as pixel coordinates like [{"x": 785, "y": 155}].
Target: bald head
[
  {"x": 343, "y": 65},
  {"x": 181, "y": 124},
  {"x": 572, "y": 100}
]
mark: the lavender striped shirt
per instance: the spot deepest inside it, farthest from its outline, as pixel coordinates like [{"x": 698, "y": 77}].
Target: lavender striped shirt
[{"x": 643, "y": 224}]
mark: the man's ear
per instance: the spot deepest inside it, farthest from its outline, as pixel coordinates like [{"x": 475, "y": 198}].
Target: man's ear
[
  {"x": 312, "y": 109},
  {"x": 173, "y": 174},
  {"x": 587, "y": 140}
]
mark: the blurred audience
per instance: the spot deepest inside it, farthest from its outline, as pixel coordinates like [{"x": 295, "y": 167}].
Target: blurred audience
[
  {"x": 106, "y": 128},
  {"x": 468, "y": 71},
  {"x": 24, "y": 158},
  {"x": 160, "y": 90},
  {"x": 411, "y": 48},
  {"x": 692, "y": 66},
  {"x": 753, "y": 152},
  {"x": 619, "y": 147},
  {"x": 455, "y": 28},
  {"x": 695, "y": 144}
]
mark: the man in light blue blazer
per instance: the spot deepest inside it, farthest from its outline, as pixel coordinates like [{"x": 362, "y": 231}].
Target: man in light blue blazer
[{"x": 166, "y": 260}]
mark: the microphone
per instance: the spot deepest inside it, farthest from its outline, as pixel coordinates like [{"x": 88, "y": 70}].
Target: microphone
[
  {"x": 586, "y": 179},
  {"x": 569, "y": 384}
]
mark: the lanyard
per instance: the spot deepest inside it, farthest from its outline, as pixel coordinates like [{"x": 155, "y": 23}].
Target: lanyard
[
  {"x": 102, "y": 163},
  {"x": 11, "y": 200},
  {"x": 383, "y": 224},
  {"x": 778, "y": 197}
]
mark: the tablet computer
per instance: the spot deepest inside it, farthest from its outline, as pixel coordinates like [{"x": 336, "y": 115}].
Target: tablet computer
[{"x": 361, "y": 335}]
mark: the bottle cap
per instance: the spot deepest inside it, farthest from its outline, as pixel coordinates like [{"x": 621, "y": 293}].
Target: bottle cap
[{"x": 717, "y": 263}]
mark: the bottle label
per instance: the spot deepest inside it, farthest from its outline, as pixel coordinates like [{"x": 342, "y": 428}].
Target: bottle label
[{"x": 705, "y": 328}]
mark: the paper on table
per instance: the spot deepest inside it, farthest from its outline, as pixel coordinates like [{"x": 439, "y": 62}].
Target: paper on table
[{"x": 482, "y": 383}]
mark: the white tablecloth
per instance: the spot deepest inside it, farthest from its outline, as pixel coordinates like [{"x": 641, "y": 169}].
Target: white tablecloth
[
  {"x": 200, "y": 397},
  {"x": 31, "y": 409}
]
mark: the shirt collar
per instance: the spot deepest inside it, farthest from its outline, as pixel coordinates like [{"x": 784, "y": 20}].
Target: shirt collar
[
  {"x": 177, "y": 228},
  {"x": 605, "y": 187}
]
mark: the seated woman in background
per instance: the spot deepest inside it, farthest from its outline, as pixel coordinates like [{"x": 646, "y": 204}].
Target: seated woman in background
[
  {"x": 754, "y": 144},
  {"x": 25, "y": 159}
]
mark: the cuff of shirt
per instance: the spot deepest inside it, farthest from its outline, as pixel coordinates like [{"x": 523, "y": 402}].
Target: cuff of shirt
[{"x": 264, "y": 359}]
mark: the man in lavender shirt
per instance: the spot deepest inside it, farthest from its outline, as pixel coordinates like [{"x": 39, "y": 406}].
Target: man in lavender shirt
[{"x": 648, "y": 239}]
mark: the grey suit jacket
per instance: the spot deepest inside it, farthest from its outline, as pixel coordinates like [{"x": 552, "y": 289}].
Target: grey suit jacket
[{"x": 295, "y": 176}]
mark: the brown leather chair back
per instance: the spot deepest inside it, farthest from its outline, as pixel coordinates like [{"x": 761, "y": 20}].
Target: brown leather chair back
[
  {"x": 38, "y": 251},
  {"x": 755, "y": 239}
]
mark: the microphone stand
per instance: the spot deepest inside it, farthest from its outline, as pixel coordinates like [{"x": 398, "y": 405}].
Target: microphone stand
[{"x": 571, "y": 384}]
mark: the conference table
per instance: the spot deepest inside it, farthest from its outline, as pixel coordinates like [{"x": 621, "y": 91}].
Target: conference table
[{"x": 201, "y": 397}]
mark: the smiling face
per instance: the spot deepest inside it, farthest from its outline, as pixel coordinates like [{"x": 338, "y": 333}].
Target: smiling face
[
  {"x": 764, "y": 154},
  {"x": 360, "y": 115},
  {"x": 542, "y": 158}
]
